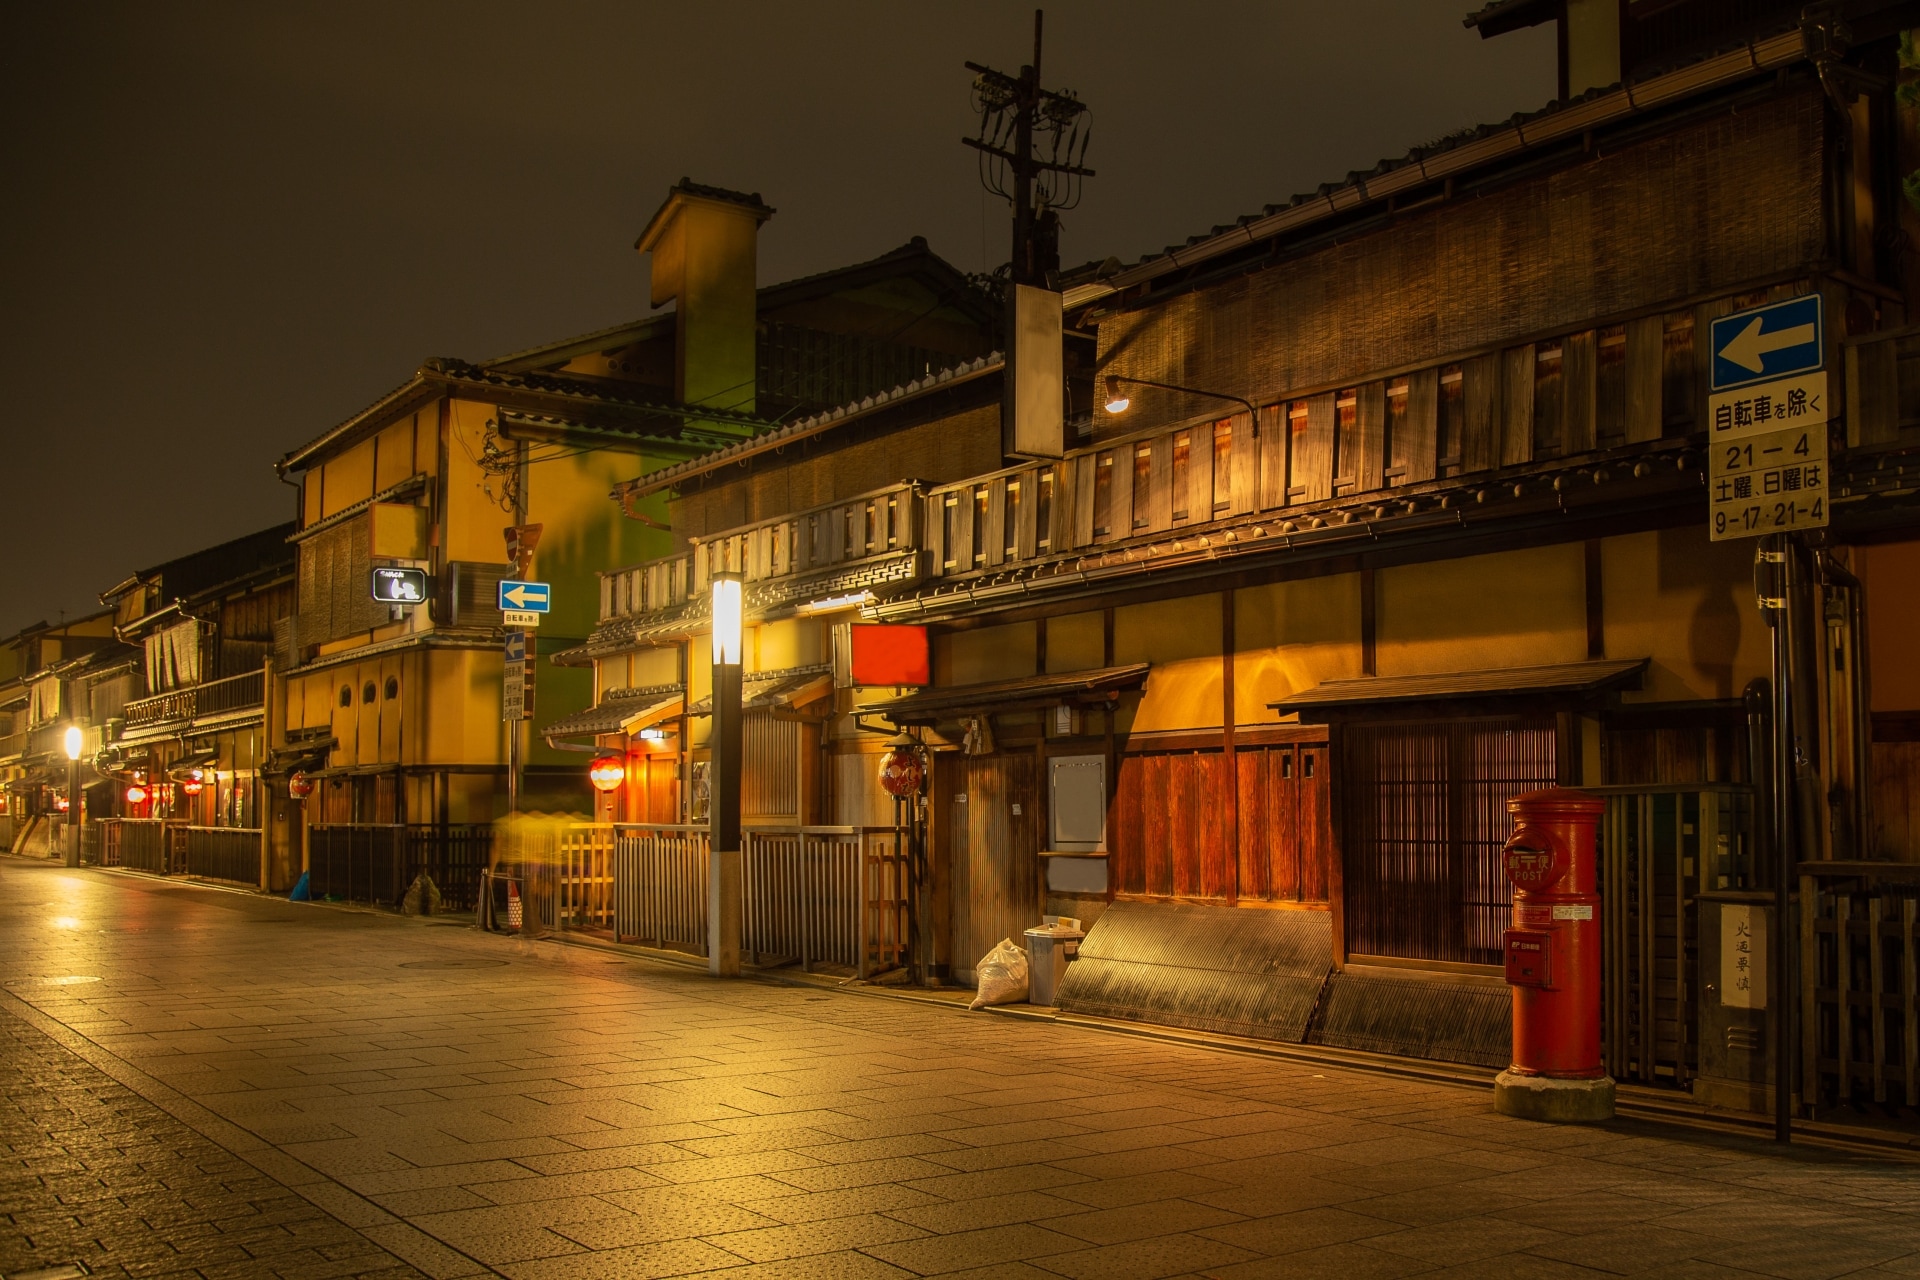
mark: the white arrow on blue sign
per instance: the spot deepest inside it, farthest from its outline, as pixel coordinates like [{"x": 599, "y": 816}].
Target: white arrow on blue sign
[
  {"x": 1774, "y": 341},
  {"x": 526, "y": 597},
  {"x": 516, "y": 646}
]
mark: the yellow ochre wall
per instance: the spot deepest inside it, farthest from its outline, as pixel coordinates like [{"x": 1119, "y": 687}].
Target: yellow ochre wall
[
  {"x": 1686, "y": 603},
  {"x": 1076, "y": 642},
  {"x": 1290, "y": 636},
  {"x": 1671, "y": 597},
  {"x": 1510, "y": 609},
  {"x": 990, "y": 653},
  {"x": 380, "y": 461},
  {"x": 1181, "y": 638},
  {"x": 1891, "y": 574}
]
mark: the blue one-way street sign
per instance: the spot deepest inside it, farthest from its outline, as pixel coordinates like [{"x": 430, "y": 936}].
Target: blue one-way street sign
[
  {"x": 526, "y": 597},
  {"x": 1774, "y": 341}
]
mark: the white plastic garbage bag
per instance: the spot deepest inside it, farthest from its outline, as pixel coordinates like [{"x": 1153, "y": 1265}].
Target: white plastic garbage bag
[{"x": 1003, "y": 975}]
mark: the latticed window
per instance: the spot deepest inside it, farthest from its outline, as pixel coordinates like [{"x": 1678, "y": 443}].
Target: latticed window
[{"x": 1425, "y": 818}]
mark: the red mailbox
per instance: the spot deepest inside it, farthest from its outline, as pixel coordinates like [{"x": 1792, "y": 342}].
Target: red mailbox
[{"x": 1553, "y": 960}]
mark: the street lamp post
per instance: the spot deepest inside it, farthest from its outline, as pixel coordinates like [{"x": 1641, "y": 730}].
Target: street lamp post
[
  {"x": 73, "y": 744},
  {"x": 723, "y": 783},
  {"x": 1118, "y": 401}
]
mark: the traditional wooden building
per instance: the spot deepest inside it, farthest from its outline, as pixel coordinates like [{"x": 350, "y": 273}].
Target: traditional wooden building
[
  {"x": 401, "y": 708},
  {"x": 37, "y": 703},
  {"x": 1248, "y": 688},
  {"x": 179, "y": 728}
]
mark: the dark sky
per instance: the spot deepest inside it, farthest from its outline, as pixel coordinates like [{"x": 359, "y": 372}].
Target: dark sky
[{"x": 224, "y": 229}]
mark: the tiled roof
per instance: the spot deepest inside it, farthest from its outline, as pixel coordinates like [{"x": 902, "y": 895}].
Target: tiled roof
[
  {"x": 667, "y": 477},
  {"x": 444, "y": 372},
  {"x": 618, "y": 708},
  {"x": 751, "y": 200},
  {"x": 1570, "y": 678},
  {"x": 1453, "y": 154},
  {"x": 914, "y": 254}
]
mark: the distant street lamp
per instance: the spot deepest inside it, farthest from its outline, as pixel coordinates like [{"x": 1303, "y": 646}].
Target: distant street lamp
[
  {"x": 723, "y": 783},
  {"x": 74, "y": 740}
]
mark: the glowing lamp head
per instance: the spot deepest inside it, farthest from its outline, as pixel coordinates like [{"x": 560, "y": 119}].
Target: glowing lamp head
[
  {"x": 726, "y": 619},
  {"x": 1117, "y": 400},
  {"x": 136, "y": 794},
  {"x": 606, "y": 773},
  {"x": 299, "y": 786},
  {"x": 73, "y": 741}
]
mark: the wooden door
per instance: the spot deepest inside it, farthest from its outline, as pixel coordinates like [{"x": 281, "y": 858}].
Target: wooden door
[
  {"x": 1285, "y": 831},
  {"x": 992, "y": 851}
]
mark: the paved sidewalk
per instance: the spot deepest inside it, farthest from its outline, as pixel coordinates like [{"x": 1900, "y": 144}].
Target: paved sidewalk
[{"x": 473, "y": 1105}]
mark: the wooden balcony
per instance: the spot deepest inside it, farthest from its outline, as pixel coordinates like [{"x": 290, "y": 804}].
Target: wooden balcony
[
  {"x": 874, "y": 536},
  {"x": 199, "y": 702}
]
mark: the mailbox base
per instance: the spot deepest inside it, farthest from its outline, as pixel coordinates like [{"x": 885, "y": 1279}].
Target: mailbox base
[{"x": 1553, "y": 1100}]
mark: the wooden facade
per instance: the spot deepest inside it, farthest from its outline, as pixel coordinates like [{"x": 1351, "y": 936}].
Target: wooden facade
[{"x": 1480, "y": 379}]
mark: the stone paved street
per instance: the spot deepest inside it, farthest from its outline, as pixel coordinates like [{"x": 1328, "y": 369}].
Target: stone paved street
[{"x": 213, "y": 1082}]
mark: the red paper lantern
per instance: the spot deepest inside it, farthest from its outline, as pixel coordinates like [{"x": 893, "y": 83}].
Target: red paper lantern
[
  {"x": 903, "y": 768},
  {"x": 299, "y": 785},
  {"x": 607, "y": 773},
  {"x": 62, "y": 803},
  {"x": 136, "y": 794},
  {"x": 193, "y": 785}
]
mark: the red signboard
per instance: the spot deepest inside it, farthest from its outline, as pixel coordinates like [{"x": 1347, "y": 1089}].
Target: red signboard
[{"x": 885, "y": 654}]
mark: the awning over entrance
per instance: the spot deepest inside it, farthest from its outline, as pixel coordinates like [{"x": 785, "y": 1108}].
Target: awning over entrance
[
  {"x": 619, "y": 712},
  {"x": 1566, "y": 679},
  {"x": 1094, "y": 687},
  {"x": 772, "y": 690}
]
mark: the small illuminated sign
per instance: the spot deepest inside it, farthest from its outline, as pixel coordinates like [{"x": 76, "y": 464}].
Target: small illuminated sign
[{"x": 400, "y": 586}]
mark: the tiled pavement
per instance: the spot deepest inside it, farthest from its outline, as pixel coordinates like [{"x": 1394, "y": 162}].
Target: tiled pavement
[{"x": 308, "y": 1087}]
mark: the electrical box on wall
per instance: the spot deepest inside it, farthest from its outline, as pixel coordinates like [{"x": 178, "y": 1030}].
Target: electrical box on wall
[{"x": 1077, "y": 804}]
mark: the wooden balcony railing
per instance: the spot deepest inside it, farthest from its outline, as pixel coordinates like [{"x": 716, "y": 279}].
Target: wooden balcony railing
[
  {"x": 839, "y": 535},
  {"x": 231, "y": 693}
]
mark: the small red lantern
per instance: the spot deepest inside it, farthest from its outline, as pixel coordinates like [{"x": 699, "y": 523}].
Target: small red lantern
[
  {"x": 607, "y": 773},
  {"x": 193, "y": 784},
  {"x": 136, "y": 794},
  {"x": 903, "y": 768},
  {"x": 62, "y": 804},
  {"x": 299, "y": 785}
]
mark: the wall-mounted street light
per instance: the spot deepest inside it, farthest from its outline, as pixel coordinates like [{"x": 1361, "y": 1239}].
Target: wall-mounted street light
[
  {"x": 74, "y": 741},
  {"x": 723, "y": 782},
  {"x": 1118, "y": 401}
]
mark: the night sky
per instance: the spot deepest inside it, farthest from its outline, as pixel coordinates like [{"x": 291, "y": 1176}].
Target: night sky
[{"x": 223, "y": 229}]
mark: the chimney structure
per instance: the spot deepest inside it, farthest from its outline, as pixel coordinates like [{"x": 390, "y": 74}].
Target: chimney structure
[{"x": 704, "y": 242}]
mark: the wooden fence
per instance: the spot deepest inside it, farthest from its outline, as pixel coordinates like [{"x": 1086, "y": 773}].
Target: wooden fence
[
  {"x": 1860, "y": 1001},
  {"x": 809, "y": 895}
]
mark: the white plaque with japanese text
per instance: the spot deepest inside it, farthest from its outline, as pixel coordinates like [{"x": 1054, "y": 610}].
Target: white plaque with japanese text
[
  {"x": 1743, "y": 957},
  {"x": 1770, "y": 406}
]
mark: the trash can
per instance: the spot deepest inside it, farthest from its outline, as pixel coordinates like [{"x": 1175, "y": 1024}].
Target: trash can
[{"x": 1049, "y": 948}]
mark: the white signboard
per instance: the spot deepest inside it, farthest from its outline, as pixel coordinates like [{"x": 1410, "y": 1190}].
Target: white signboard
[
  {"x": 1743, "y": 957},
  {"x": 1768, "y": 406},
  {"x": 1771, "y": 483}
]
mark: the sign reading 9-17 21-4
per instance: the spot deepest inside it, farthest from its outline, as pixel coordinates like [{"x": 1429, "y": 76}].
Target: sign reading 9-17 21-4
[
  {"x": 1775, "y": 482},
  {"x": 1767, "y": 421}
]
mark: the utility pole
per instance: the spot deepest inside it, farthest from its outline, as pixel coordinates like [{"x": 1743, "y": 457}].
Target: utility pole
[{"x": 1014, "y": 112}]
